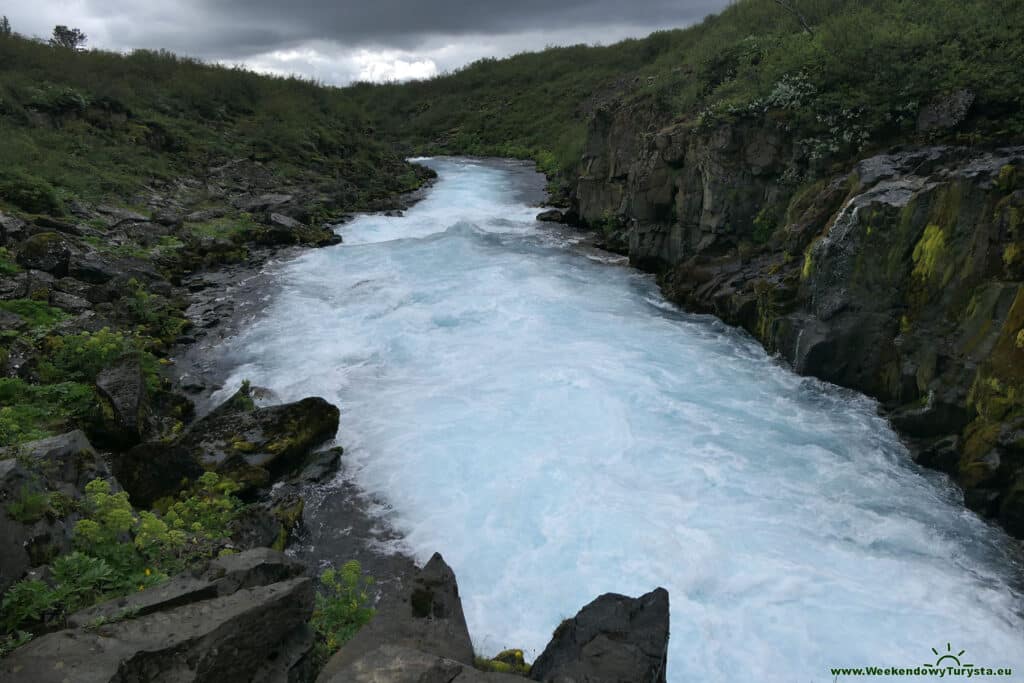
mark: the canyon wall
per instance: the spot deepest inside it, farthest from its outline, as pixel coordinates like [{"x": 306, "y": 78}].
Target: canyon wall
[{"x": 899, "y": 275}]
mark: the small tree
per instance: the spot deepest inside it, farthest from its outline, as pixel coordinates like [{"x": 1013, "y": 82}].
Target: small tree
[
  {"x": 70, "y": 38},
  {"x": 5, "y": 26}
]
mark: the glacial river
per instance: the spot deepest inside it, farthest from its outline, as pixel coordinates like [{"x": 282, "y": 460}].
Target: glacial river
[{"x": 535, "y": 411}]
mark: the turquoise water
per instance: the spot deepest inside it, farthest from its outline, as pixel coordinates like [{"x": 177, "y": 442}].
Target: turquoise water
[{"x": 544, "y": 419}]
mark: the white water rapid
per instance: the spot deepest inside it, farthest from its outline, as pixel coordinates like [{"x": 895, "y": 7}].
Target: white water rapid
[{"x": 555, "y": 429}]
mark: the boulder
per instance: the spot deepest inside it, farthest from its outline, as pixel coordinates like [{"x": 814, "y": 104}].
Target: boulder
[
  {"x": 226, "y": 637},
  {"x": 551, "y": 216},
  {"x": 615, "y": 638},
  {"x": 151, "y": 471},
  {"x": 66, "y": 462},
  {"x": 62, "y": 464},
  {"x": 15, "y": 534},
  {"x": 12, "y": 229},
  {"x": 945, "y": 111},
  {"x": 275, "y": 438},
  {"x": 426, "y": 621},
  {"x": 122, "y": 388},
  {"x": 69, "y": 302},
  {"x": 49, "y": 252}
]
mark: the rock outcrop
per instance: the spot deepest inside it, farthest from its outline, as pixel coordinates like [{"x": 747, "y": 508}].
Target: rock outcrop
[
  {"x": 39, "y": 491},
  {"x": 244, "y": 620},
  {"x": 899, "y": 276},
  {"x": 253, "y": 445},
  {"x": 421, "y": 635},
  {"x": 614, "y": 638}
]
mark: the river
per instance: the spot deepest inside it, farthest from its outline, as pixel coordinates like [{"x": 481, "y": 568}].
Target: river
[{"x": 534, "y": 410}]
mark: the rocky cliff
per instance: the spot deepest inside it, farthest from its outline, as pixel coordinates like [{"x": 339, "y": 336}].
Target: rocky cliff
[{"x": 899, "y": 274}]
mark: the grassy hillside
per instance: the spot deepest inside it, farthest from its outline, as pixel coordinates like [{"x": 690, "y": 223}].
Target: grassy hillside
[
  {"x": 856, "y": 77},
  {"x": 96, "y": 125}
]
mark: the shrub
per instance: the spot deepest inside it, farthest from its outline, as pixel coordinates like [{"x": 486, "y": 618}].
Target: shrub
[
  {"x": 31, "y": 411},
  {"x": 30, "y": 506},
  {"x": 119, "y": 551},
  {"x": 80, "y": 357},
  {"x": 29, "y": 193},
  {"x": 342, "y": 607}
]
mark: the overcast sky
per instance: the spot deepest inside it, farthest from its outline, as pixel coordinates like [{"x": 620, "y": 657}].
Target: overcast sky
[{"x": 338, "y": 41}]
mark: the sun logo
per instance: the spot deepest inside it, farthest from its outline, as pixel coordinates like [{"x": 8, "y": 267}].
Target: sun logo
[{"x": 948, "y": 657}]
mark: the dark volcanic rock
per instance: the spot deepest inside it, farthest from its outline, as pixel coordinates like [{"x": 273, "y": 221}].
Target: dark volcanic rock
[
  {"x": 49, "y": 252},
  {"x": 613, "y": 639},
  {"x": 275, "y": 438},
  {"x": 551, "y": 216},
  {"x": 229, "y": 628},
  {"x": 122, "y": 387},
  {"x": 427, "y": 618},
  {"x": 63, "y": 464},
  {"x": 151, "y": 471}
]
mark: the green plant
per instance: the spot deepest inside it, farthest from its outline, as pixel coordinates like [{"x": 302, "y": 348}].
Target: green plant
[
  {"x": 30, "y": 506},
  {"x": 342, "y": 607},
  {"x": 12, "y": 641},
  {"x": 32, "y": 411},
  {"x": 7, "y": 264},
  {"x": 26, "y": 602},
  {"x": 29, "y": 192},
  {"x": 37, "y": 314}
]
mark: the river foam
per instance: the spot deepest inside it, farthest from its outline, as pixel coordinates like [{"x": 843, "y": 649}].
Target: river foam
[{"x": 555, "y": 429}]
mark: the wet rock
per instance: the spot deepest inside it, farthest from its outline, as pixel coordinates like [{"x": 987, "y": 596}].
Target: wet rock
[
  {"x": 49, "y": 252},
  {"x": 275, "y": 438},
  {"x": 551, "y": 216},
  {"x": 615, "y": 638},
  {"x": 151, "y": 471},
  {"x": 426, "y": 619},
  {"x": 227, "y": 637},
  {"x": 319, "y": 466},
  {"x": 122, "y": 387}
]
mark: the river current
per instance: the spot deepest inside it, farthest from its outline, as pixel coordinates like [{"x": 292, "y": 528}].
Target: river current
[{"x": 535, "y": 411}]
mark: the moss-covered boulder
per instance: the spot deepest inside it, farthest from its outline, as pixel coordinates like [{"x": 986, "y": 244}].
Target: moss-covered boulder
[
  {"x": 275, "y": 439},
  {"x": 49, "y": 252}
]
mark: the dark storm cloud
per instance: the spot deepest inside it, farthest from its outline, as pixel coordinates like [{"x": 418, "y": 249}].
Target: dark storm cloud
[
  {"x": 238, "y": 27},
  {"x": 329, "y": 39}
]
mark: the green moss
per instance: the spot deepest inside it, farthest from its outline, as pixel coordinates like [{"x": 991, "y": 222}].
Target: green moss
[
  {"x": 7, "y": 264},
  {"x": 40, "y": 316},
  {"x": 931, "y": 256},
  {"x": 808, "y": 266},
  {"x": 1007, "y": 179},
  {"x": 30, "y": 505},
  {"x": 1012, "y": 254}
]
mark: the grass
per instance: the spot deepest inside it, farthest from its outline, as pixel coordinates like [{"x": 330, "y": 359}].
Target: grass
[{"x": 857, "y": 82}]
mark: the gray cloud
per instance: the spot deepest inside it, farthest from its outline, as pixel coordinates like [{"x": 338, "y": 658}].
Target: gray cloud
[{"x": 341, "y": 40}]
